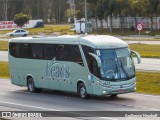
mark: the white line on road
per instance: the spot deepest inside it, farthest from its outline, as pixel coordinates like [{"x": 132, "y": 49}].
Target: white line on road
[{"x": 42, "y": 108}]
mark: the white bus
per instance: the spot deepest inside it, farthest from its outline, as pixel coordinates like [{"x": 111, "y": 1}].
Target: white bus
[{"x": 87, "y": 65}]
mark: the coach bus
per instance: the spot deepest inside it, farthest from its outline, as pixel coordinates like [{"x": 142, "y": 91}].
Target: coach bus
[{"x": 87, "y": 65}]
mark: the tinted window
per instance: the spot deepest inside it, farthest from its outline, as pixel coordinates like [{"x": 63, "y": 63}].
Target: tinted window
[
  {"x": 49, "y": 51},
  {"x": 17, "y": 31},
  {"x": 37, "y": 52},
  {"x": 68, "y": 53},
  {"x": 26, "y": 51},
  {"x": 87, "y": 50},
  {"x": 12, "y": 49},
  {"x": 46, "y": 51},
  {"x": 20, "y": 50},
  {"x": 23, "y": 31}
]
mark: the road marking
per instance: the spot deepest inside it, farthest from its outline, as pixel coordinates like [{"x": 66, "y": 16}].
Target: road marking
[
  {"x": 29, "y": 106},
  {"x": 54, "y": 110}
]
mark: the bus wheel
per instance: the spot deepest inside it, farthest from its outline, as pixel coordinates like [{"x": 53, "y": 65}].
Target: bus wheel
[
  {"x": 30, "y": 85},
  {"x": 115, "y": 95},
  {"x": 82, "y": 91}
]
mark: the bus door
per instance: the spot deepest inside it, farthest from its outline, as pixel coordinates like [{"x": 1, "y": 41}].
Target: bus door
[{"x": 94, "y": 76}]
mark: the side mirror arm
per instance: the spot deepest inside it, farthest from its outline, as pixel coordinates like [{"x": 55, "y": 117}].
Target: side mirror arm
[
  {"x": 97, "y": 59},
  {"x": 137, "y": 55}
]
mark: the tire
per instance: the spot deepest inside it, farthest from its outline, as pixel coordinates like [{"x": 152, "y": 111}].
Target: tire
[
  {"x": 82, "y": 91},
  {"x": 31, "y": 86},
  {"x": 115, "y": 95},
  {"x": 24, "y": 35},
  {"x": 11, "y": 35}
]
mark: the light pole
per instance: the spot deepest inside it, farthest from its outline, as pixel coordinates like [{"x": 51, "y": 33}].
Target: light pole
[
  {"x": 85, "y": 3},
  {"x": 74, "y": 12}
]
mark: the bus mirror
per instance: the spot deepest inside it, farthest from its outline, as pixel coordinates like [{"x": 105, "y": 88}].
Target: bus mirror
[
  {"x": 97, "y": 59},
  {"x": 137, "y": 55}
]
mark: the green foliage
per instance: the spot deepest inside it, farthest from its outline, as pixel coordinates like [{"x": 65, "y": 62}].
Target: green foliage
[
  {"x": 100, "y": 10},
  {"x": 21, "y": 19},
  {"x": 148, "y": 82}
]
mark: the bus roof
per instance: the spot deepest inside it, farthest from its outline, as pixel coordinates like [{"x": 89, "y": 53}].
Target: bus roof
[{"x": 95, "y": 41}]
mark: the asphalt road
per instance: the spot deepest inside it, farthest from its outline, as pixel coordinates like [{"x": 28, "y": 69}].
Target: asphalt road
[
  {"x": 148, "y": 64},
  {"x": 15, "y": 98},
  {"x": 4, "y": 56}
]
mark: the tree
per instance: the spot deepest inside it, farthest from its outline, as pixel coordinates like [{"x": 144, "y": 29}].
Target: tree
[
  {"x": 100, "y": 12},
  {"x": 122, "y": 10},
  {"x": 4, "y": 6},
  {"x": 134, "y": 10},
  {"x": 109, "y": 7},
  {"x": 153, "y": 10},
  {"x": 21, "y": 19}
]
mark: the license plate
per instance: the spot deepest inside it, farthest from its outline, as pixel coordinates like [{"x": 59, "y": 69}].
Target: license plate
[{"x": 121, "y": 91}]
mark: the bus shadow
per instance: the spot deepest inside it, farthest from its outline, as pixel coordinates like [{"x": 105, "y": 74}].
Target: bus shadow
[
  {"x": 91, "y": 97},
  {"x": 53, "y": 93}
]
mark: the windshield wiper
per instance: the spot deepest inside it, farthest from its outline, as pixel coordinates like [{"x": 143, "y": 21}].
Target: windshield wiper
[{"x": 125, "y": 72}]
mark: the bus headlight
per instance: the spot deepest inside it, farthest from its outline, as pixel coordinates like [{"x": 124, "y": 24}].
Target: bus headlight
[{"x": 104, "y": 92}]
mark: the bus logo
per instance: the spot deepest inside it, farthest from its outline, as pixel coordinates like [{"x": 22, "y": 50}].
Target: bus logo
[{"x": 57, "y": 70}]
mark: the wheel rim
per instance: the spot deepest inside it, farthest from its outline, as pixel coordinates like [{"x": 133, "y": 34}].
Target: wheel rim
[{"x": 82, "y": 92}]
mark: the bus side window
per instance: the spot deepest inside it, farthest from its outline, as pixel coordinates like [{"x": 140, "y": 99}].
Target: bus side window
[
  {"x": 27, "y": 51},
  {"x": 69, "y": 53},
  {"x": 49, "y": 51},
  {"x": 60, "y": 53},
  {"x": 87, "y": 50},
  {"x": 94, "y": 67},
  {"x": 91, "y": 62},
  {"x": 13, "y": 49},
  {"x": 75, "y": 55},
  {"x": 37, "y": 52}
]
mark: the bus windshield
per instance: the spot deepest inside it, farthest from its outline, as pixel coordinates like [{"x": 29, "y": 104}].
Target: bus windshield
[{"x": 117, "y": 64}]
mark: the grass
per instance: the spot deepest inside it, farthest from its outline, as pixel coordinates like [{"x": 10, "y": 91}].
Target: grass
[
  {"x": 3, "y": 45},
  {"x": 146, "y": 51},
  {"x": 141, "y": 39},
  {"x": 4, "y": 68},
  {"x": 147, "y": 82},
  {"x": 47, "y": 30},
  {"x": 50, "y": 29}
]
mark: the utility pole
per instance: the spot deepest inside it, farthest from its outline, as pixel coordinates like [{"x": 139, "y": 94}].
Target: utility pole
[
  {"x": 85, "y": 3},
  {"x": 74, "y": 12}
]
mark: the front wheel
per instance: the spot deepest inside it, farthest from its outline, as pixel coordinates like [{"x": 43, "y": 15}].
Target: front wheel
[
  {"x": 82, "y": 91},
  {"x": 115, "y": 95}
]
